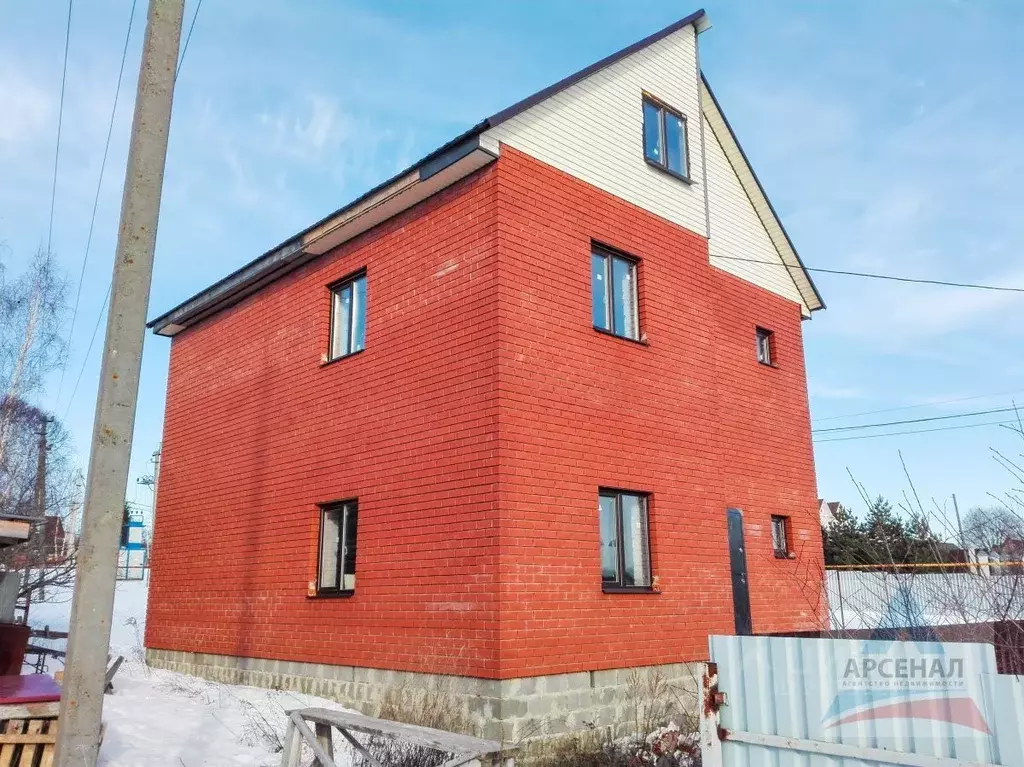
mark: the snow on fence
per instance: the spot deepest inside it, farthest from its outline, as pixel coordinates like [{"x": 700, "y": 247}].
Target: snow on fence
[{"x": 877, "y": 599}]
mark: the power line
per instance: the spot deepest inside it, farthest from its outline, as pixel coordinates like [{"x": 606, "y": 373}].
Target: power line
[
  {"x": 915, "y": 420},
  {"x": 916, "y": 431},
  {"x": 875, "y": 276},
  {"x": 85, "y": 359},
  {"x": 99, "y": 318},
  {"x": 60, "y": 122},
  {"x": 914, "y": 407},
  {"x": 184, "y": 48},
  {"x": 96, "y": 199}
]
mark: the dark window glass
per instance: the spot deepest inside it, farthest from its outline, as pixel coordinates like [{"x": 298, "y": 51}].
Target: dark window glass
[
  {"x": 779, "y": 541},
  {"x": 625, "y": 548},
  {"x": 613, "y": 280},
  {"x": 665, "y": 137},
  {"x": 337, "y": 571},
  {"x": 652, "y": 133},
  {"x": 348, "y": 317},
  {"x": 599, "y": 284},
  {"x": 675, "y": 143},
  {"x": 764, "y": 346},
  {"x": 609, "y": 541}
]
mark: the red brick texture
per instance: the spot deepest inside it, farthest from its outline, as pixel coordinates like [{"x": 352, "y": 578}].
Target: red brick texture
[{"x": 475, "y": 430}]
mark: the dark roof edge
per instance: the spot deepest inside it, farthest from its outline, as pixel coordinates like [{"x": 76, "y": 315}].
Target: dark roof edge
[
  {"x": 521, "y": 106},
  {"x": 764, "y": 194},
  {"x": 433, "y": 162},
  {"x": 450, "y": 151}
]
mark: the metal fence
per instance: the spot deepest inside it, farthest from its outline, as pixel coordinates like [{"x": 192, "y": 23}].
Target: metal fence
[
  {"x": 776, "y": 701},
  {"x": 878, "y": 599}
]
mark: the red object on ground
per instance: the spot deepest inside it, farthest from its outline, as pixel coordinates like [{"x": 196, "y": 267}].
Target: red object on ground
[
  {"x": 31, "y": 688},
  {"x": 13, "y": 640}
]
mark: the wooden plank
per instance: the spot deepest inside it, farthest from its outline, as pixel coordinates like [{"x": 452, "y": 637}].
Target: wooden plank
[
  {"x": 323, "y": 737},
  {"x": 47, "y": 760},
  {"x": 307, "y": 735},
  {"x": 7, "y": 751},
  {"x": 291, "y": 746},
  {"x": 438, "y": 740},
  {"x": 29, "y": 749},
  {"x": 359, "y": 747},
  {"x": 860, "y": 753},
  {"x": 29, "y": 711},
  {"x": 15, "y": 530}
]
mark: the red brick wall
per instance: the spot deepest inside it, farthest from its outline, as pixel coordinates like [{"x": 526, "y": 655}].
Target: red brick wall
[
  {"x": 257, "y": 432},
  {"x": 475, "y": 430},
  {"x": 691, "y": 418}
]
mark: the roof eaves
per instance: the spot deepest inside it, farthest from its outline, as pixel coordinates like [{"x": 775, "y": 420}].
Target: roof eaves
[{"x": 294, "y": 243}]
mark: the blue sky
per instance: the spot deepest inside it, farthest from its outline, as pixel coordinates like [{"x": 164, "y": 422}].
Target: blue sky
[{"x": 886, "y": 134}]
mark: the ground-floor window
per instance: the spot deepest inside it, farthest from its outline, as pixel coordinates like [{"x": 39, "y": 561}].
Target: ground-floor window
[
  {"x": 625, "y": 549},
  {"x": 337, "y": 572}
]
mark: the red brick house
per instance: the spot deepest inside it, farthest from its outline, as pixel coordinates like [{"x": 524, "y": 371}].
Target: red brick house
[{"x": 500, "y": 417}]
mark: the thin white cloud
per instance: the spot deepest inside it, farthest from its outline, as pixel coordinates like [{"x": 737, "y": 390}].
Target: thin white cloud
[{"x": 26, "y": 108}]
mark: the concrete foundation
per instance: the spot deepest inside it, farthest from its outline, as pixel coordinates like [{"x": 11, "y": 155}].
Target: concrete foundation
[{"x": 514, "y": 710}]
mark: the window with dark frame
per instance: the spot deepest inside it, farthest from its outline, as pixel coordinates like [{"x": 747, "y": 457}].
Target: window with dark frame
[
  {"x": 625, "y": 547},
  {"x": 336, "y": 573},
  {"x": 780, "y": 536},
  {"x": 665, "y": 138},
  {"x": 348, "y": 317},
  {"x": 614, "y": 286},
  {"x": 764, "y": 346}
]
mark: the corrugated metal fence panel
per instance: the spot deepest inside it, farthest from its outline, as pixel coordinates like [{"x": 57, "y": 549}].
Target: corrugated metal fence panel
[
  {"x": 867, "y": 600},
  {"x": 937, "y": 699},
  {"x": 1005, "y": 697}
]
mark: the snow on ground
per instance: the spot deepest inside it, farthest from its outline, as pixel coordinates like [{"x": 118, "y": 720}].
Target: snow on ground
[{"x": 157, "y": 718}]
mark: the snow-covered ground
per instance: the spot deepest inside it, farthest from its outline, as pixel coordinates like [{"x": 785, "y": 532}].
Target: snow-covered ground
[{"x": 156, "y": 718}]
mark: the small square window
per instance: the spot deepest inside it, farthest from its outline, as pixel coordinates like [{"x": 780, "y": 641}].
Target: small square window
[
  {"x": 337, "y": 567},
  {"x": 625, "y": 548},
  {"x": 348, "y": 317},
  {"x": 613, "y": 282},
  {"x": 764, "y": 346},
  {"x": 780, "y": 536},
  {"x": 665, "y": 138}
]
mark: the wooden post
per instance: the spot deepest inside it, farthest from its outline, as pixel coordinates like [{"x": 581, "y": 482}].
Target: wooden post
[{"x": 323, "y": 736}]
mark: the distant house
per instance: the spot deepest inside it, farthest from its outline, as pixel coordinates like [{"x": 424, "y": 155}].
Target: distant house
[
  {"x": 531, "y": 413},
  {"x": 827, "y": 511},
  {"x": 49, "y": 544}
]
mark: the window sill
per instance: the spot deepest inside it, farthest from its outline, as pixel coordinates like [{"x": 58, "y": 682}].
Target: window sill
[
  {"x": 772, "y": 365},
  {"x": 787, "y": 555},
  {"x": 609, "y": 589},
  {"x": 331, "y": 594},
  {"x": 342, "y": 357},
  {"x": 642, "y": 341},
  {"x": 678, "y": 176}
]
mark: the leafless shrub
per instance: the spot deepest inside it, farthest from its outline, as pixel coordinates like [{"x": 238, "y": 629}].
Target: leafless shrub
[
  {"x": 436, "y": 705},
  {"x": 258, "y": 729}
]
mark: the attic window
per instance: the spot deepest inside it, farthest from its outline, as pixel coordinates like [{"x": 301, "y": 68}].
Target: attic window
[{"x": 665, "y": 138}]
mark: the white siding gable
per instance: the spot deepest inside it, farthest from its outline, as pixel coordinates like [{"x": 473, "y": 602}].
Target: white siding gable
[
  {"x": 737, "y": 231},
  {"x": 593, "y": 129}
]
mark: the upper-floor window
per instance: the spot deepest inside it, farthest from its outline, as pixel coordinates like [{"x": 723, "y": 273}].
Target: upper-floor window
[
  {"x": 613, "y": 281},
  {"x": 764, "y": 346},
  {"x": 348, "y": 317},
  {"x": 625, "y": 549},
  {"x": 337, "y": 566},
  {"x": 780, "y": 536},
  {"x": 665, "y": 138}
]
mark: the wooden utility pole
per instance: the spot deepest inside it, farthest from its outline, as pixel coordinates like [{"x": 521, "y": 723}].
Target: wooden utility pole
[
  {"x": 81, "y": 703},
  {"x": 40, "y": 490}
]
